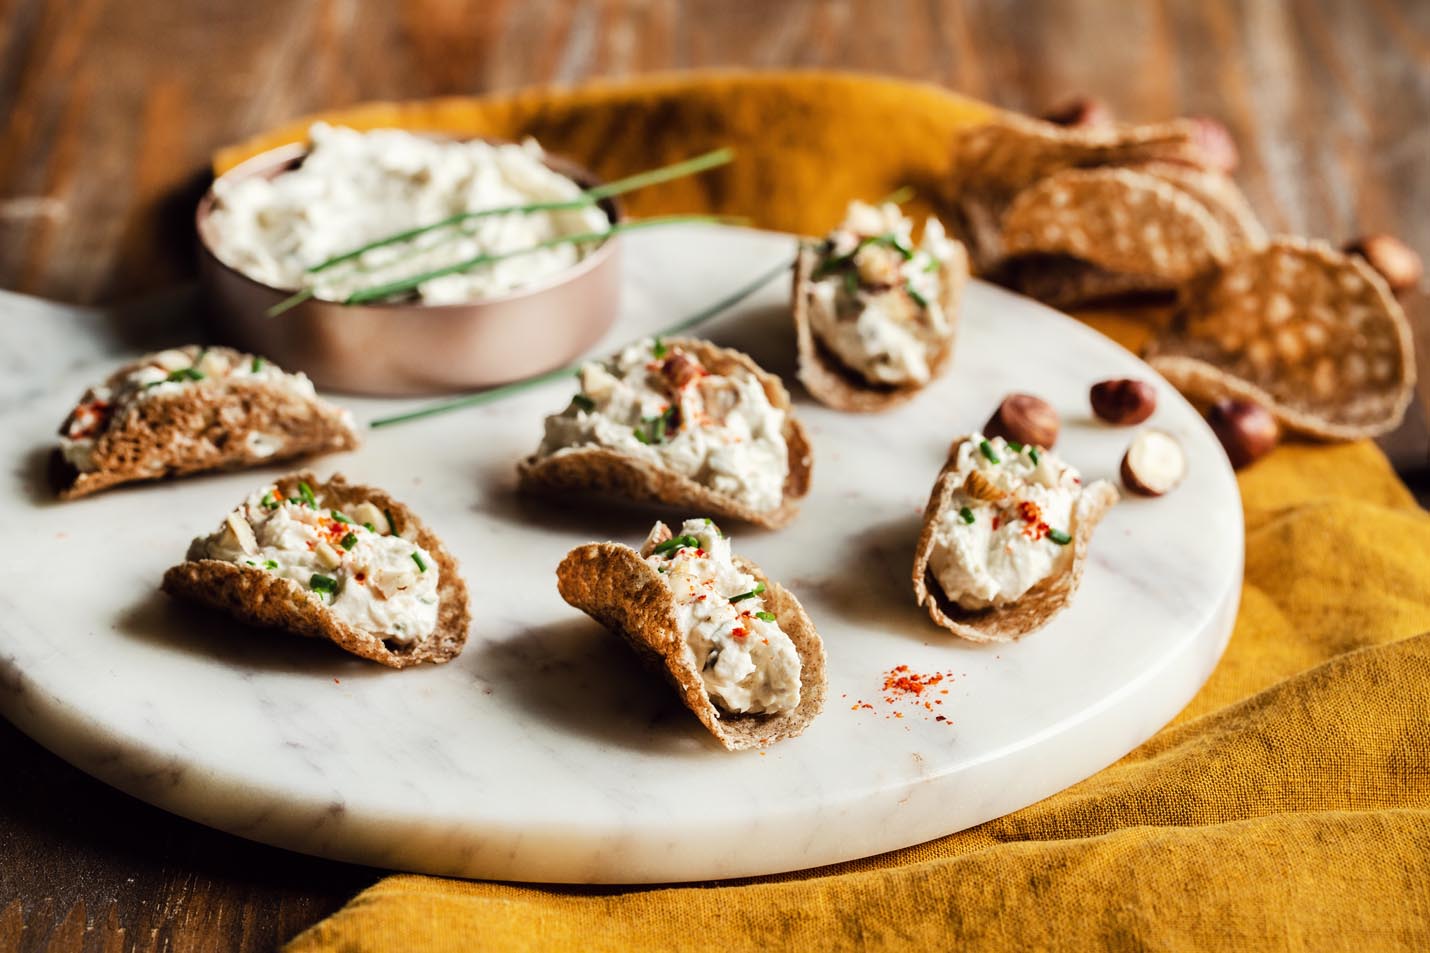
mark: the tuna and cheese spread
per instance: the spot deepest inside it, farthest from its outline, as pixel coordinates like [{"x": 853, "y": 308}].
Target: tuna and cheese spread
[
  {"x": 748, "y": 664},
  {"x": 354, "y": 188},
  {"x": 165, "y": 374},
  {"x": 658, "y": 403},
  {"x": 1007, "y": 527},
  {"x": 346, "y": 559},
  {"x": 874, "y": 297}
]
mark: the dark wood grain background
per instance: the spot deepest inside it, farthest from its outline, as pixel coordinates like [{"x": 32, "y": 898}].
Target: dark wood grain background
[{"x": 112, "y": 107}]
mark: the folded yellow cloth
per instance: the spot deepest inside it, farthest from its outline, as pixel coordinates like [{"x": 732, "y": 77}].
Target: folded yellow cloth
[{"x": 1287, "y": 808}]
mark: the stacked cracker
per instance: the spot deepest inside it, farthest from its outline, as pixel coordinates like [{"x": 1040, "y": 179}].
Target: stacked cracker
[{"x": 1088, "y": 213}]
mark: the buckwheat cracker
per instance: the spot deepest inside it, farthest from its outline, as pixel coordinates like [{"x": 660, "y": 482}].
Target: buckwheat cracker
[
  {"x": 258, "y": 597},
  {"x": 597, "y": 470},
  {"x": 1035, "y": 608},
  {"x": 616, "y": 587},
  {"x": 1311, "y": 333}
]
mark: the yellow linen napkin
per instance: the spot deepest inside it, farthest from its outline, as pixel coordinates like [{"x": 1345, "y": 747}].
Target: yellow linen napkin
[{"x": 1288, "y": 807}]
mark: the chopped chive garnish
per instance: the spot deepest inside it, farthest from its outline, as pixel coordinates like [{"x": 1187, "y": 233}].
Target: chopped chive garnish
[
  {"x": 917, "y": 298},
  {"x": 349, "y": 541},
  {"x": 1014, "y": 446},
  {"x": 182, "y": 374},
  {"x": 1034, "y": 454},
  {"x": 660, "y": 569},
  {"x": 250, "y": 562},
  {"x": 339, "y": 517},
  {"x": 421, "y": 566},
  {"x": 370, "y": 528},
  {"x": 967, "y": 514},
  {"x": 932, "y": 266},
  {"x": 270, "y": 564},
  {"x": 987, "y": 449},
  {"x": 658, "y": 348},
  {"x": 582, "y": 402},
  {"x": 765, "y": 616},
  {"x": 391, "y": 523},
  {"x": 851, "y": 282},
  {"x": 676, "y": 542},
  {"x": 269, "y": 501},
  {"x": 1059, "y": 537},
  {"x": 305, "y": 495},
  {"x": 257, "y": 365},
  {"x": 321, "y": 583},
  {"x": 759, "y": 588}
]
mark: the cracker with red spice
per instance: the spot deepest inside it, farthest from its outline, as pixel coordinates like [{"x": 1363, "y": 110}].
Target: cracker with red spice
[
  {"x": 189, "y": 410},
  {"x": 256, "y": 596},
  {"x": 833, "y": 384},
  {"x": 1312, "y": 334},
  {"x": 1035, "y": 608},
  {"x": 604, "y": 472},
  {"x": 613, "y": 584}
]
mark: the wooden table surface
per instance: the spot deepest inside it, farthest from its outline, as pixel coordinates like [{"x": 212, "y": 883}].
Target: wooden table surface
[{"x": 112, "y": 108}]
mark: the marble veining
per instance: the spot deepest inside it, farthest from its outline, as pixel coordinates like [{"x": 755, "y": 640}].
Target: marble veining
[{"x": 544, "y": 752}]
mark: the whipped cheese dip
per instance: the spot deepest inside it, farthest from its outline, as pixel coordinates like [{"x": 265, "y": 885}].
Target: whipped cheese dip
[
  {"x": 346, "y": 559},
  {"x": 357, "y": 187},
  {"x": 1008, "y": 526},
  {"x": 874, "y": 298},
  {"x": 747, "y": 662},
  {"x": 163, "y": 374},
  {"x": 658, "y": 403}
]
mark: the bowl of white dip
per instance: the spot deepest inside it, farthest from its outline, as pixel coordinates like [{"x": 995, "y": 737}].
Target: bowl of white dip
[{"x": 266, "y": 223}]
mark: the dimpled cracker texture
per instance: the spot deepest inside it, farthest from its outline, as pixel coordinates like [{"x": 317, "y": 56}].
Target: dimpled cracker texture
[{"x": 1288, "y": 807}]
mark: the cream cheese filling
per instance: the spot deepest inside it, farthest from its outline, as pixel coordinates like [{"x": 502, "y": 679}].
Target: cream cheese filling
[
  {"x": 658, "y": 403},
  {"x": 875, "y": 300},
  {"x": 345, "y": 559},
  {"x": 746, "y": 661},
  {"x": 1007, "y": 527}
]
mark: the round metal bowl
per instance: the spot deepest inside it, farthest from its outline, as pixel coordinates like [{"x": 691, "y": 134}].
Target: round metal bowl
[{"x": 411, "y": 348}]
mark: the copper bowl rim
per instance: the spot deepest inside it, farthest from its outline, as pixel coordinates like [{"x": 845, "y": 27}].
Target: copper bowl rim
[{"x": 280, "y": 159}]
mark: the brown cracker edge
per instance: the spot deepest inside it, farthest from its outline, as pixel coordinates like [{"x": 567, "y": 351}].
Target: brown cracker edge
[
  {"x": 603, "y": 471},
  {"x": 188, "y": 433},
  {"x": 1038, "y": 606},
  {"x": 833, "y": 384},
  {"x": 257, "y": 597},
  {"x": 1201, "y": 380},
  {"x": 614, "y": 586}
]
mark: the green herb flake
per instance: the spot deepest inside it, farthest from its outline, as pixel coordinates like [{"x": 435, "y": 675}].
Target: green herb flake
[
  {"x": 305, "y": 495},
  {"x": 321, "y": 583},
  {"x": 917, "y": 298},
  {"x": 270, "y": 564},
  {"x": 851, "y": 283},
  {"x": 765, "y": 616},
  {"x": 659, "y": 349},
  {"x": 933, "y": 265},
  {"x": 257, "y": 365},
  {"x": 676, "y": 542},
  {"x": 759, "y": 588},
  {"x": 987, "y": 450},
  {"x": 369, "y": 527},
  {"x": 967, "y": 515},
  {"x": 339, "y": 517},
  {"x": 391, "y": 523},
  {"x": 582, "y": 402},
  {"x": 349, "y": 541},
  {"x": 269, "y": 501},
  {"x": 1034, "y": 455},
  {"x": 421, "y": 565},
  {"x": 1059, "y": 537},
  {"x": 1015, "y": 446}
]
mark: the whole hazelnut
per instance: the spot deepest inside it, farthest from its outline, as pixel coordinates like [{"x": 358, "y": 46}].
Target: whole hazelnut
[
  {"x": 1396, "y": 261},
  {"x": 1080, "y": 111},
  {"x": 1154, "y": 464},
  {"x": 1123, "y": 402},
  {"x": 1023, "y": 418},
  {"x": 1215, "y": 145},
  {"x": 1247, "y": 431}
]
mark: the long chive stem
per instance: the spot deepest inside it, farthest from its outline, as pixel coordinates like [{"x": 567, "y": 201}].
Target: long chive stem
[
  {"x": 506, "y": 390},
  {"x": 676, "y": 170}
]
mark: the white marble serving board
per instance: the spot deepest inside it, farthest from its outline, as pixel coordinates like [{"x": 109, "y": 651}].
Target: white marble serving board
[{"x": 545, "y": 753}]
